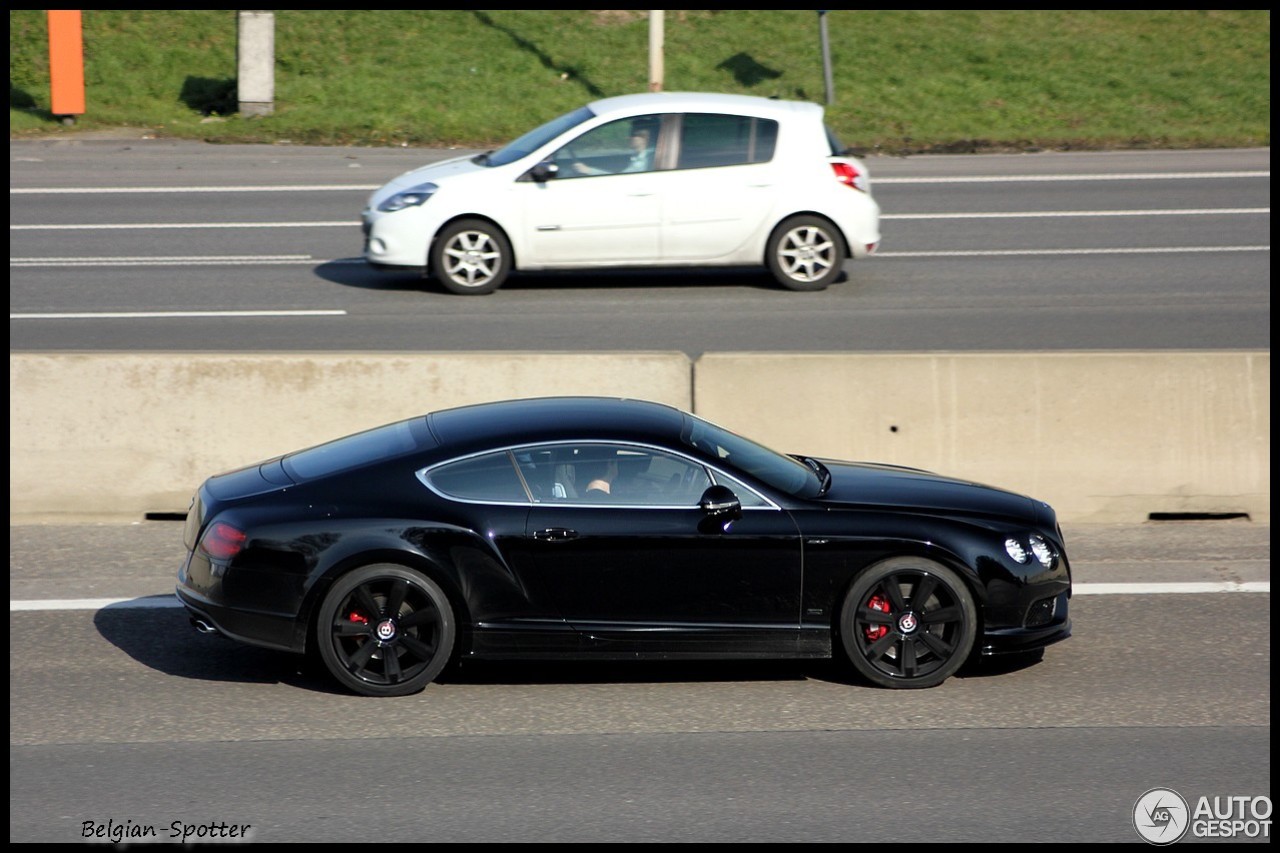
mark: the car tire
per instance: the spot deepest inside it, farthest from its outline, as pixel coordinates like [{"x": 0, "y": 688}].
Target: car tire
[
  {"x": 908, "y": 623},
  {"x": 385, "y": 630},
  {"x": 806, "y": 253},
  {"x": 471, "y": 257}
]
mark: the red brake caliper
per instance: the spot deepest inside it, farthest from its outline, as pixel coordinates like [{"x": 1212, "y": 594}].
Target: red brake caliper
[
  {"x": 875, "y": 632},
  {"x": 356, "y": 616}
]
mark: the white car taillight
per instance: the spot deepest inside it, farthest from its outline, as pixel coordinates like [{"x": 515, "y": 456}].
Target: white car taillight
[{"x": 849, "y": 175}]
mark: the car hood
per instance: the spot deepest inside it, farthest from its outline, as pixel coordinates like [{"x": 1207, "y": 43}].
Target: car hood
[
  {"x": 433, "y": 173},
  {"x": 867, "y": 484}
]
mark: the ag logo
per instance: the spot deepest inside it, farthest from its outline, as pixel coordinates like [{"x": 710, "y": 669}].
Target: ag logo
[{"x": 1161, "y": 816}]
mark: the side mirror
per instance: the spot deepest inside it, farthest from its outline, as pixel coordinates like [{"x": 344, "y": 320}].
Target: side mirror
[
  {"x": 720, "y": 502},
  {"x": 544, "y": 171}
]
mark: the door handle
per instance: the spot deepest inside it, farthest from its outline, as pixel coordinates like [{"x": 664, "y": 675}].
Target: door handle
[{"x": 555, "y": 534}]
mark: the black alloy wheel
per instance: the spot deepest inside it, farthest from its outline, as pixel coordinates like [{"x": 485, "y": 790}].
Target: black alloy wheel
[
  {"x": 385, "y": 630},
  {"x": 908, "y": 623}
]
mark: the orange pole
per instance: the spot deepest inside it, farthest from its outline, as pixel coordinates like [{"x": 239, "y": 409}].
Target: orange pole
[{"x": 66, "y": 63}]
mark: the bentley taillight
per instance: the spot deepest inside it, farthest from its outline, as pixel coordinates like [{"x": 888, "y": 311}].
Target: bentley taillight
[{"x": 222, "y": 541}]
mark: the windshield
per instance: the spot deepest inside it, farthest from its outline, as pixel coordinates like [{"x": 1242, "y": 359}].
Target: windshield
[
  {"x": 770, "y": 467},
  {"x": 536, "y": 138}
]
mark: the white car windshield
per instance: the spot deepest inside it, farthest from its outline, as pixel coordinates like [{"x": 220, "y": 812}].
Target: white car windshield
[{"x": 535, "y": 139}]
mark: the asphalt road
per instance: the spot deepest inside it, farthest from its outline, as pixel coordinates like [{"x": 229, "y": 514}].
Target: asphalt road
[
  {"x": 124, "y": 714},
  {"x": 153, "y": 245}
]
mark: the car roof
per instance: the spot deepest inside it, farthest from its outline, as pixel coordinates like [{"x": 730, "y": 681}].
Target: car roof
[
  {"x": 702, "y": 102},
  {"x": 514, "y": 422}
]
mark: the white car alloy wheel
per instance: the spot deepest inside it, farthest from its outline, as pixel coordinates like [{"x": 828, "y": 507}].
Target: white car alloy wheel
[
  {"x": 806, "y": 253},
  {"x": 471, "y": 257}
]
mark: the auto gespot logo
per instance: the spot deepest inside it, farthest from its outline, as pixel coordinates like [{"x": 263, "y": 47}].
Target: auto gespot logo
[{"x": 1162, "y": 816}]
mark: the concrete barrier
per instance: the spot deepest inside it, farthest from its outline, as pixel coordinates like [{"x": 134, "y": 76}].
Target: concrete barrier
[
  {"x": 110, "y": 435},
  {"x": 1102, "y": 436}
]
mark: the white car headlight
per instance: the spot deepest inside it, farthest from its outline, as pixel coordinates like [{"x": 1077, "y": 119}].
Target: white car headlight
[
  {"x": 1016, "y": 550},
  {"x": 411, "y": 197}
]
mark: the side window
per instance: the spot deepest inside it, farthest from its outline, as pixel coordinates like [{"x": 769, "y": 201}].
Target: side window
[
  {"x": 549, "y": 480},
  {"x": 622, "y": 146},
  {"x": 724, "y": 140},
  {"x": 611, "y": 474},
  {"x": 669, "y": 481},
  {"x": 490, "y": 477}
]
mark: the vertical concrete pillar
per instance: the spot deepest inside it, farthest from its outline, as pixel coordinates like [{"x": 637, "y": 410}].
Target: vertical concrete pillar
[{"x": 256, "y": 62}]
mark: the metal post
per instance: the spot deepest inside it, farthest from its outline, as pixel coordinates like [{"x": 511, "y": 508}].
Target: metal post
[
  {"x": 256, "y": 62},
  {"x": 655, "y": 49},
  {"x": 827, "y": 79}
]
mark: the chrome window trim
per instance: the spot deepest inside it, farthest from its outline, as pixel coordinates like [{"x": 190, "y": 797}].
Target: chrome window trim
[{"x": 424, "y": 474}]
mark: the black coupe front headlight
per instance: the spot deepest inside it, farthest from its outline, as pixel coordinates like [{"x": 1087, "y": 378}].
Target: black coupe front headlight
[
  {"x": 1021, "y": 550},
  {"x": 1043, "y": 551}
]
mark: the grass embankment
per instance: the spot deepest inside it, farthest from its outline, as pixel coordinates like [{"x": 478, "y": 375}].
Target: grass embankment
[{"x": 903, "y": 81}]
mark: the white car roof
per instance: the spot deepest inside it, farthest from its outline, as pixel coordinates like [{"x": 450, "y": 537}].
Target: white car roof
[{"x": 703, "y": 102}]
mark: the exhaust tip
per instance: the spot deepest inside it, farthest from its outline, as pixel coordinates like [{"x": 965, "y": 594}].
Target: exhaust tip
[{"x": 202, "y": 626}]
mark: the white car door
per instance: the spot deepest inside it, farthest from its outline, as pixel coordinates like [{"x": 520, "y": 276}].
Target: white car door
[
  {"x": 723, "y": 187},
  {"x": 602, "y": 206}
]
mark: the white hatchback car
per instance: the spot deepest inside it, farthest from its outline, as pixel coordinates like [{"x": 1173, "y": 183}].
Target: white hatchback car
[{"x": 649, "y": 180}]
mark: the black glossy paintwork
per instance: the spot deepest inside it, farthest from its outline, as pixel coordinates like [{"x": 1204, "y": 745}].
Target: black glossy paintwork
[
  {"x": 865, "y": 485},
  {"x": 541, "y": 580},
  {"x": 625, "y": 571}
]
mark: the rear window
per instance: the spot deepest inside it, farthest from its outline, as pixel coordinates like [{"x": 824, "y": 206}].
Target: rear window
[
  {"x": 833, "y": 141},
  {"x": 363, "y": 448}
]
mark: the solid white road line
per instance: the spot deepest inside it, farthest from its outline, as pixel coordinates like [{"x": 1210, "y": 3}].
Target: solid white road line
[
  {"x": 150, "y": 315},
  {"x": 1053, "y": 214},
  {"x": 165, "y": 601},
  {"x": 1188, "y": 588},
  {"x": 283, "y": 188},
  {"x": 993, "y": 253},
  {"x": 149, "y": 226},
  {"x": 180, "y": 261},
  {"x": 1119, "y": 176}
]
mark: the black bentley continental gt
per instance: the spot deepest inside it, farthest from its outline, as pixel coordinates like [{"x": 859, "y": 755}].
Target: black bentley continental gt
[{"x": 612, "y": 529}]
